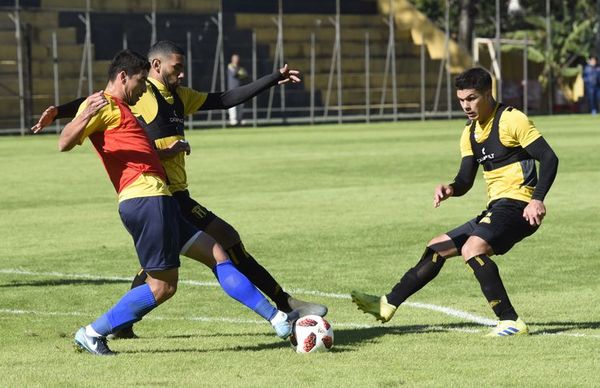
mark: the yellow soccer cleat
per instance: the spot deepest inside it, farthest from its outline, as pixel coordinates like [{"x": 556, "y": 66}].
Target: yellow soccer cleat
[
  {"x": 509, "y": 328},
  {"x": 377, "y": 306}
]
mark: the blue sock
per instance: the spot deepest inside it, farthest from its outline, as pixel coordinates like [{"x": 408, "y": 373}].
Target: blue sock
[
  {"x": 136, "y": 303},
  {"x": 237, "y": 286}
]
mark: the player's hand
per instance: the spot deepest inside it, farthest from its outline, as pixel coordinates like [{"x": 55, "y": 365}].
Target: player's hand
[
  {"x": 180, "y": 146},
  {"x": 289, "y": 75},
  {"x": 441, "y": 193},
  {"x": 95, "y": 102},
  {"x": 534, "y": 212},
  {"x": 45, "y": 119}
]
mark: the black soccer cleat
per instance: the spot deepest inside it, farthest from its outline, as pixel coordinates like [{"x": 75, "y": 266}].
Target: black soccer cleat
[
  {"x": 303, "y": 308},
  {"x": 124, "y": 333}
]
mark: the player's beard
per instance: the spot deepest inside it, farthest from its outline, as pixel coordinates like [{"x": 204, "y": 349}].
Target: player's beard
[{"x": 170, "y": 86}]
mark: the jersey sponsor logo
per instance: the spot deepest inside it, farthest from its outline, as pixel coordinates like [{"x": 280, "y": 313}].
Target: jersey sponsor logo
[
  {"x": 175, "y": 118},
  {"x": 485, "y": 157}
]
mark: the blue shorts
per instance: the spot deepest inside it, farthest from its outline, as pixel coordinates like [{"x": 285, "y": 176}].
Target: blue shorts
[{"x": 158, "y": 229}]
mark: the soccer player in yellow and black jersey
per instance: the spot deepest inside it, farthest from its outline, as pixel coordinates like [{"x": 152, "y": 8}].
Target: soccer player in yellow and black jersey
[
  {"x": 506, "y": 144},
  {"x": 161, "y": 110},
  {"x": 147, "y": 209}
]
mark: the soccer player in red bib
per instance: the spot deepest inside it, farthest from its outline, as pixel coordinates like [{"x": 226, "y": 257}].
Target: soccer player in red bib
[
  {"x": 506, "y": 144},
  {"x": 161, "y": 110},
  {"x": 149, "y": 212}
]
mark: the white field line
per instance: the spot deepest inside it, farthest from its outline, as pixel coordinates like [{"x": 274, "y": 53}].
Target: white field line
[
  {"x": 160, "y": 318},
  {"x": 350, "y": 325},
  {"x": 441, "y": 309},
  {"x": 95, "y": 277},
  {"x": 236, "y": 321}
]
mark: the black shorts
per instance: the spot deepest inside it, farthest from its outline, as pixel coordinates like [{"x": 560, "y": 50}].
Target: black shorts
[
  {"x": 158, "y": 230},
  {"x": 501, "y": 225},
  {"x": 192, "y": 211}
]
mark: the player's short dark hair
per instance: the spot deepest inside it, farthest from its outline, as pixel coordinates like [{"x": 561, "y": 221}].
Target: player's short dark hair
[
  {"x": 164, "y": 48},
  {"x": 474, "y": 78},
  {"x": 128, "y": 61}
]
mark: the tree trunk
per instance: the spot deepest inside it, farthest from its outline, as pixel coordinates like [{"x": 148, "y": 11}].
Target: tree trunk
[{"x": 465, "y": 24}]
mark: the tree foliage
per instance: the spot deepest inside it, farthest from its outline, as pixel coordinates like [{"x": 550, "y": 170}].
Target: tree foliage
[{"x": 573, "y": 37}]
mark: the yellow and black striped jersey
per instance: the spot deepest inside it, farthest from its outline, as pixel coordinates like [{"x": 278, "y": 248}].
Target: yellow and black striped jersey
[
  {"x": 515, "y": 180},
  {"x": 147, "y": 109}
]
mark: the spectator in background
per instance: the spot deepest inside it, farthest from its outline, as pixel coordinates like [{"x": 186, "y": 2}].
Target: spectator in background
[
  {"x": 236, "y": 76},
  {"x": 591, "y": 78}
]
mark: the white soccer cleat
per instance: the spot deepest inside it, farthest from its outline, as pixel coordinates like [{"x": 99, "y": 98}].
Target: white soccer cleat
[
  {"x": 95, "y": 345},
  {"x": 282, "y": 325}
]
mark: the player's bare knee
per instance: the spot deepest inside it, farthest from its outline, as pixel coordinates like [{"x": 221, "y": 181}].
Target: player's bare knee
[
  {"x": 443, "y": 245},
  {"x": 169, "y": 291},
  {"x": 467, "y": 251},
  {"x": 163, "y": 291},
  {"x": 200, "y": 248},
  {"x": 219, "y": 253},
  {"x": 474, "y": 247}
]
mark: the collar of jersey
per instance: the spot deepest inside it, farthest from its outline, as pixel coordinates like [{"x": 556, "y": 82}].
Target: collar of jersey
[
  {"x": 490, "y": 119},
  {"x": 159, "y": 85}
]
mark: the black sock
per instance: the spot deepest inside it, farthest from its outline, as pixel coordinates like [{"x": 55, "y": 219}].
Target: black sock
[
  {"x": 259, "y": 276},
  {"x": 415, "y": 278},
  {"x": 486, "y": 272}
]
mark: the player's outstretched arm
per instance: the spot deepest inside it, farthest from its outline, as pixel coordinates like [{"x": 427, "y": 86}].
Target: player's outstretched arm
[
  {"x": 68, "y": 110},
  {"x": 233, "y": 97},
  {"x": 289, "y": 75},
  {"x": 45, "y": 119},
  {"x": 70, "y": 135}
]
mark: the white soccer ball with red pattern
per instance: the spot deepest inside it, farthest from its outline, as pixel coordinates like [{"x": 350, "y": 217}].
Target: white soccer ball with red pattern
[{"x": 312, "y": 334}]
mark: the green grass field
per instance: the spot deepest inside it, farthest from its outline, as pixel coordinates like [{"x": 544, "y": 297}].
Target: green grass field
[{"x": 326, "y": 209}]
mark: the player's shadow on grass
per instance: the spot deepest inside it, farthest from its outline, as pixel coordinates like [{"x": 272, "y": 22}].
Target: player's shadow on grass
[
  {"x": 283, "y": 344},
  {"x": 63, "y": 282},
  {"x": 210, "y": 335},
  {"x": 345, "y": 339},
  {"x": 561, "y": 326}
]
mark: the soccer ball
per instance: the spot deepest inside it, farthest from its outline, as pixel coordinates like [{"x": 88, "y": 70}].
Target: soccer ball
[{"x": 312, "y": 334}]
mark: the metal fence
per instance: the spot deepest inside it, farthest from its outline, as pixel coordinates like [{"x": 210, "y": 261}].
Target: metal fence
[{"x": 431, "y": 96}]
